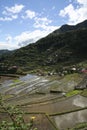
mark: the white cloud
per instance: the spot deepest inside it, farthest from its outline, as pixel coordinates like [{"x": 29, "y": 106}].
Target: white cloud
[
  {"x": 83, "y": 2},
  {"x": 70, "y": 1},
  {"x": 51, "y": 28},
  {"x": 75, "y": 15},
  {"x": 44, "y": 24},
  {"x": 29, "y": 37},
  {"x": 4, "y": 45},
  {"x": 8, "y": 43},
  {"x": 8, "y": 18},
  {"x": 11, "y": 13},
  {"x": 5, "y": 19},
  {"x": 14, "y": 9},
  {"x": 42, "y": 28},
  {"x": 29, "y": 14},
  {"x": 41, "y": 22},
  {"x": 14, "y": 16},
  {"x": 25, "y": 38},
  {"x": 9, "y": 39}
]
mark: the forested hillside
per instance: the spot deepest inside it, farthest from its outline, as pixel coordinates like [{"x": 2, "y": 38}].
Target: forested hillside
[{"x": 66, "y": 48}]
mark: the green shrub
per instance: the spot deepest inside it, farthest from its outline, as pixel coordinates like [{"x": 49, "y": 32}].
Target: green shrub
[
  {"x": 16, "y": 116},
  {"x": 72, "y": 93}
]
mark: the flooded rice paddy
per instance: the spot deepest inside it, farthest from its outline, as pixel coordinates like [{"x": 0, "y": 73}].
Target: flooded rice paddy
[
  {"x": 32, "y": 94},
  {"x": 71, "y": 119},
  {"x": 57, "y": 106}
]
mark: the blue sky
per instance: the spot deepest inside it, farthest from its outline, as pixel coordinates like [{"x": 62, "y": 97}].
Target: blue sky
[{"x": 25, "y": 21}]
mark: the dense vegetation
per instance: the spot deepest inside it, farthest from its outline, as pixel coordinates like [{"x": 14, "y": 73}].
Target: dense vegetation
[{"x": 63, "y": 47}]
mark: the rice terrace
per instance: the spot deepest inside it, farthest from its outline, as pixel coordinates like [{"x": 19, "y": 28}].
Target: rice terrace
[
  {"x": 43, "y": 65},
  {"x": 51, "y": 110}
]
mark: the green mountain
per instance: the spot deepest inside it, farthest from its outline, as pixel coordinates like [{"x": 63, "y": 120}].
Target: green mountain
[
  {"x": 67, "y": 28},
  {"x": 4, "y": 52},
  {"x": 65, "y": 46}
]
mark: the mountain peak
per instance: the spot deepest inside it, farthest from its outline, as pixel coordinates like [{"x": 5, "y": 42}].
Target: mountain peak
[
  {"x": 68, "y": 28},
  {"x": 57, "y": 49}
]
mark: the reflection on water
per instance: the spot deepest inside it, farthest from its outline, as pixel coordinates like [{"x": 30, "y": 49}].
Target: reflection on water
[
  {"x": 80, "y": 101},
  {"x": 70, "y": 120},
  {"x": 8, "y": 84},
  {"x": 27, "y": 77},
  {"x": 24, "y": 84}
]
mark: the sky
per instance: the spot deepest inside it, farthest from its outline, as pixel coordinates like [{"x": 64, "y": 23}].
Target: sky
[{"x": 25, "y": 21}]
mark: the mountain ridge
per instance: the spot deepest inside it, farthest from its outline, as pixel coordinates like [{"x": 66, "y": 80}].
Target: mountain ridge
[
  {"x": 66, "y": 27},
  {"x": 57, "y": 50}
]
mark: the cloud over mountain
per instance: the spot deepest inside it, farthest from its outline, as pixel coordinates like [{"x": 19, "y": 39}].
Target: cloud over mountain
[{"x": 76, "y": 13}]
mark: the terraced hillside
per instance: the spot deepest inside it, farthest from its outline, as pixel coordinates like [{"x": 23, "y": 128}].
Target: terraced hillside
[
  {"x": 57, "y": 101},
  {"x": 64, "y": 47},
  {"x": 33, "y": 95}
]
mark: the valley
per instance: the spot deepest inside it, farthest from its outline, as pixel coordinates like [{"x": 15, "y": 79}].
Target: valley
[{"x": 46, "y": 82}]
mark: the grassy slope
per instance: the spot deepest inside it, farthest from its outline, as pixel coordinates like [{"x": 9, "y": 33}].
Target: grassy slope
[{"x": 52, "y": 51}]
